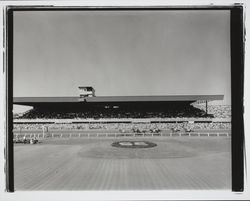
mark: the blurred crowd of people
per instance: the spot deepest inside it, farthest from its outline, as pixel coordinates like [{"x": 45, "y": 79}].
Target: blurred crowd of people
[
  {"x": 218, "y": 111},
  {"x": 24, "y": 140},
  {"x": 181, "y": 111},
  {"x": 190, "y": 111},
  {"x": 124, "y": 126}
]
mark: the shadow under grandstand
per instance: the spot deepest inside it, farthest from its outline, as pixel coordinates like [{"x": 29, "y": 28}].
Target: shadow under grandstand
[{"x": 121, "y": 110}]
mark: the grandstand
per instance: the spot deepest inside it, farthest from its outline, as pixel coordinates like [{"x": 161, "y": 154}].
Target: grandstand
[
  {"x": 115, "y": 107},
  {"x": 130, "y": 114}
]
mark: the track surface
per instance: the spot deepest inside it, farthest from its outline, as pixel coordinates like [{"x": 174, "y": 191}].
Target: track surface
[{"x": 93, "y": 164}]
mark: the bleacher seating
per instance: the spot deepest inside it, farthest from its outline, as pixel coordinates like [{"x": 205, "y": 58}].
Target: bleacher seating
[
  {"x": 180, "y": 112},
  {"x": 123, "y": 126},
  {"x": 218, "y": 111}
]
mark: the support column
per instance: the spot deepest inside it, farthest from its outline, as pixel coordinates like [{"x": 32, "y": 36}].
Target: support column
[{"x": 206, "y": 106}]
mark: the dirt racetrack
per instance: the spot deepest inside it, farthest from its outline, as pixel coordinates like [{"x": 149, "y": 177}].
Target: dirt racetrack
[{"x": 93, "y": 164}]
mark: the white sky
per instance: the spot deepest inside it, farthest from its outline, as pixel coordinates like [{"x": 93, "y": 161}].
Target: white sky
[{"x": 122, "y": 53}]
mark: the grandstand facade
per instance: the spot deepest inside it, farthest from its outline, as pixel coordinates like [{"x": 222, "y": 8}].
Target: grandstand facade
[{"x": 115, "y": 106}]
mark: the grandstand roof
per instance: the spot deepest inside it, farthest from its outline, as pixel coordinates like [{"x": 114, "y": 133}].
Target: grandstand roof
[{"x": 106, "y": 99}]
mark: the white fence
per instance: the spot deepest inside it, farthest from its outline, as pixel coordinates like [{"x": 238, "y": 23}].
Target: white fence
[{"x": 89, "y": 135}]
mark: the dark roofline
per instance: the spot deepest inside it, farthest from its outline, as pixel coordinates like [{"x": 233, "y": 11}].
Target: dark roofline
[
  {"x": 86, "y": 87},
  {"x": 99, "y": 99}
]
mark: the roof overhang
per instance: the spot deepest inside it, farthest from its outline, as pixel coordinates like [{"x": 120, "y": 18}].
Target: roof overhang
[{"x": 115, "y": 99}]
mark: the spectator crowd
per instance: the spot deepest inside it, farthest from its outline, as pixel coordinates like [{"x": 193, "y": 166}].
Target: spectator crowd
[
  {"x": 181, "y": 111},
  {"x": 175, "y": 112},
  {"x": 218, "y": 111},
  {"x": 124, "y": 126}
]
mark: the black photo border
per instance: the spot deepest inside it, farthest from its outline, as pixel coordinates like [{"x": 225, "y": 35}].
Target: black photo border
[{"x": 237, "y": 81}]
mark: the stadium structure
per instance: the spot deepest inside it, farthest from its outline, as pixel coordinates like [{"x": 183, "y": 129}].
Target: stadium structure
[
  {"x": 120, "y": 114},
  {"x": 88, "y": 106}
]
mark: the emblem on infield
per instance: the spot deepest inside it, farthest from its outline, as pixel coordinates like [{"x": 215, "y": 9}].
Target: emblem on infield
[{"x": 134, "y": 144}]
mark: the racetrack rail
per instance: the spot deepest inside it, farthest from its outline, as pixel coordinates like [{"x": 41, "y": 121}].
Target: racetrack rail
[{"x": 104, "y": 133}]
